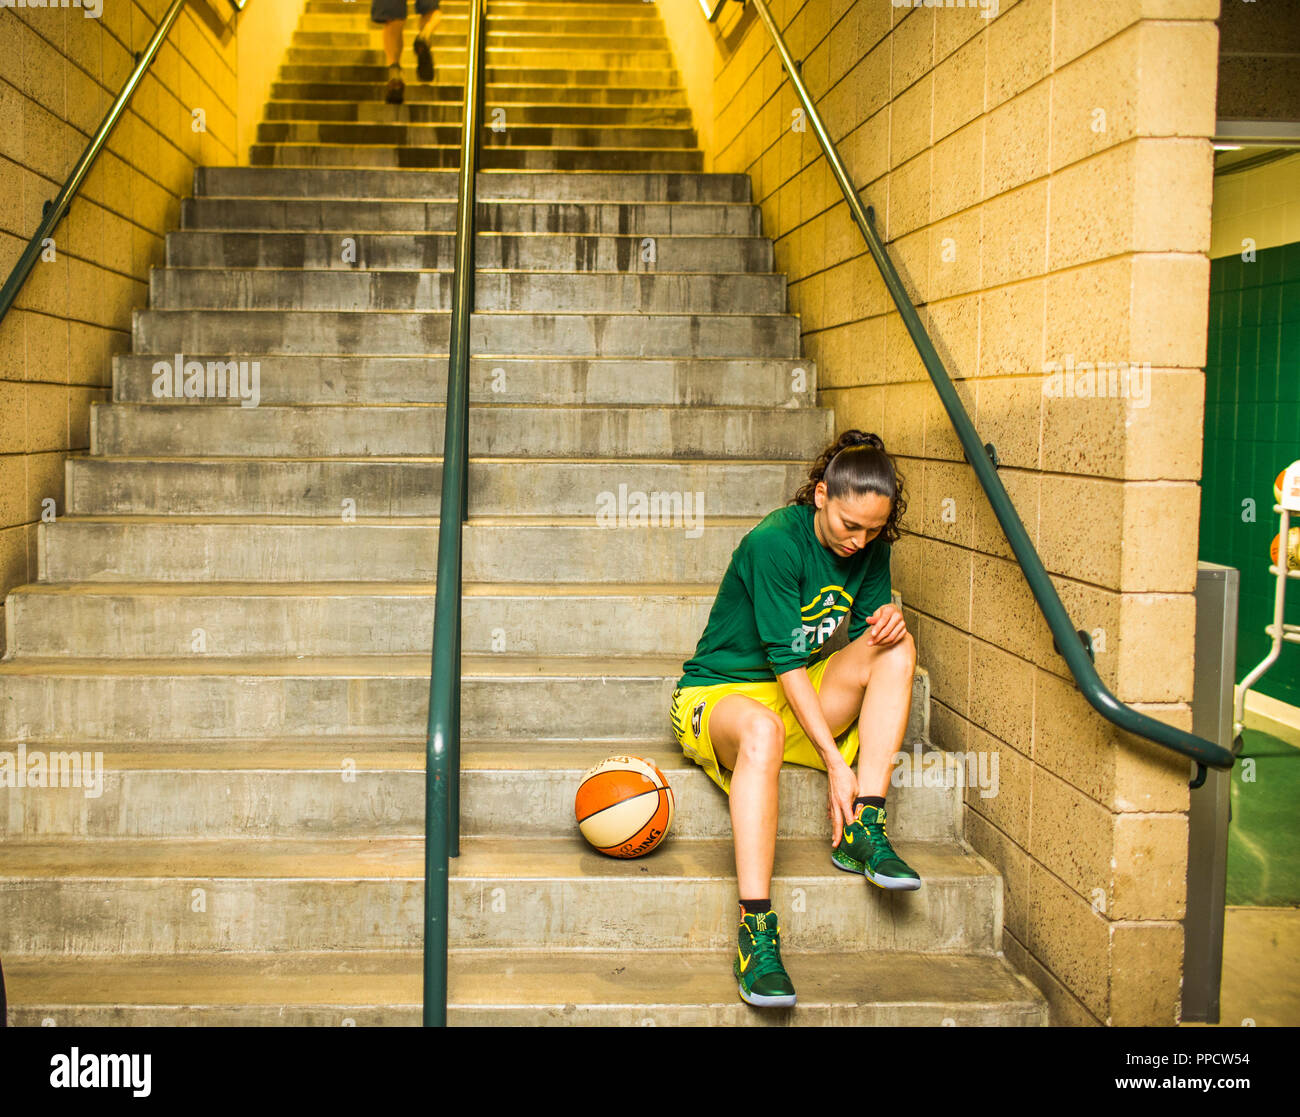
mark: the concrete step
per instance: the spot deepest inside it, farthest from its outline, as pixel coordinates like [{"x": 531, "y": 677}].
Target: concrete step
[
  {"x": 787, "y": 382},
  {"x": 513, "y": 133},
  {"x": 130, "y": 895},
  {"x": 498, "y": 430},
  {"x": 317, "y": 184},
  {"x": 450, "y": 112},
  {"x": 642, "y": 288},
  {"x": 376, "y": 332},
  {"x": 562, "y": 20},
  {"x": 516, "y": 34},
  {"x": 510, "y": 158},
  {"x": 602, "y": 55},
  {"x": 154, "y": 619},
  {"x": 566, "y": 551},
  {"x": 630, "y": 71},
  {"x": 569, "y": 254},
  {"x": 337, "y": 697},
  {"x": 144, "y": 620},
  {"x": 443, "y": 92},
  {"x": 363, "y": 37},
  {"x": 623, "y": 494},
  {"x": 351, "y": 13},
  {"x": 298, "y": 788},
  {"x": 227, "y": 217},
  {"x": 516, "y": 988}
]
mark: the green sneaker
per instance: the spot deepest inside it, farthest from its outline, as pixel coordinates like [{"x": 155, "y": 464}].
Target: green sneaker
[
  {"x": 864, "y": 848},
  {"x": 757, "y": 965}
]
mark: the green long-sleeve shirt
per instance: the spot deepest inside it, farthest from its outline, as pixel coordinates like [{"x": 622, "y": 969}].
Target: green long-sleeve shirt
[{"x": 782, "y": 596}]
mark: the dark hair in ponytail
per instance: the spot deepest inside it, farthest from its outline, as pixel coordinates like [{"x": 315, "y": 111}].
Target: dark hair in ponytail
[{"x": 856, "y": 463}]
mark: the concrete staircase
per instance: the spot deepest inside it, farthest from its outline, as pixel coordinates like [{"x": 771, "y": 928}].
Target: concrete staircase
[{"x": 236, "y": 606}]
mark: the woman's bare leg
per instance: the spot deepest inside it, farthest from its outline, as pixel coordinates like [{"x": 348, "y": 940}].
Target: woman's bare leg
[
  {"x": 749, "y": 739},
  {"x": 872, "y": 684},
  {"x": 863, "y": 682},
  {"x": 393, "y": 33},
  {"x": 425, "y": 18},
  {"x": 393, "y": 40}
]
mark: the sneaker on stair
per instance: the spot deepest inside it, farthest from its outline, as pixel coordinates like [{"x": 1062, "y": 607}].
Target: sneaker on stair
[
  {"x": 864, "y": 848},
  {"x": 757, "y": 966},
  {"x": 396, "y": 87}
]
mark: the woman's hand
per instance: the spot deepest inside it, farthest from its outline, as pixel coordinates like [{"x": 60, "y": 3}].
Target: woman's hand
[
  {"x": 841, "y": 793},
  {"x": 888, "y": 627}
]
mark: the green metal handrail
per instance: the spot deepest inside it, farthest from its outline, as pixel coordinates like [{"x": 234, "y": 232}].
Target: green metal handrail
[
  {"x": 54, "y": 211},
  {"x": 1077, "y": 657},
  {"x": 442, "y": 764}
]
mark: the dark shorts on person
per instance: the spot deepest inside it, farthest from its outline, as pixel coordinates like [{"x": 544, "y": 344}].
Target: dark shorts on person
[{"x": 385, "y": 11}]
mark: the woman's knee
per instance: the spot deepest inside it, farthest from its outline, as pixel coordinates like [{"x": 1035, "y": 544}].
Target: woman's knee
[
  {"x": 869, "y": 659},
  {"x": 897, "y": 662},
  {"x": 762, "y": 740}
]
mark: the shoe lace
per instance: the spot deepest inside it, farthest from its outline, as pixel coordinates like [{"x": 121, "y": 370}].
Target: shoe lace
[
  {"x": 879, "y": 839},
  {"x": 766, "y": 948}
]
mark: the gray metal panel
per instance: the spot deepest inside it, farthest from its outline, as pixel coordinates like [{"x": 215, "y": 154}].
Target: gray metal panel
[{"x": 1217, "y": 589}]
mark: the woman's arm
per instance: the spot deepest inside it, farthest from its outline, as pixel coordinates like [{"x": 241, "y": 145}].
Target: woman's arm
[
  {"x": 807, "y": 708},
  {"x": 799, "y": 692}
]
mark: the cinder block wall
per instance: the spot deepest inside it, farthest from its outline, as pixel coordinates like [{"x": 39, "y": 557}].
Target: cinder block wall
[
  {"x": 1043, "y": 178},
  {"x": 59, "y": 73},
  {"x": 1259, "y": 45}
]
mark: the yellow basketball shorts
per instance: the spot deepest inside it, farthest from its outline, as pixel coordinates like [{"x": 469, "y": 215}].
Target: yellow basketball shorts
[{"x": 692, "y": 705}]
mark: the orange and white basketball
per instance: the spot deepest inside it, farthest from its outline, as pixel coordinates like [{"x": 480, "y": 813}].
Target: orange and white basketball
[
  {"x": 624, "y": 806},
  {"x": 1292, "y": 549},
  {"x": 1280, "y": 485}
]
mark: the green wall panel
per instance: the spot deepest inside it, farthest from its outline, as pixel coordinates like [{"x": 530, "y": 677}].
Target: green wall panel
[{"x": 1252, "y": 430}]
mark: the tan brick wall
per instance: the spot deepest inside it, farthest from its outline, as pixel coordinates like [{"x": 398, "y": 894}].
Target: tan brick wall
[
  {"x": 59, "y": 73},
  {"x": 1043, "y": 179}
]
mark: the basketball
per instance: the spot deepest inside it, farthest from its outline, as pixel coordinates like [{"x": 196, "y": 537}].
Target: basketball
[
  {"x": 1292, "y": 549},
  {"x": 624, "y": 806},
  {"x": 1281, "y": 480}
]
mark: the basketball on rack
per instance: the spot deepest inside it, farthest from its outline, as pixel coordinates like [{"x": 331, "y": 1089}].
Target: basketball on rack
[
  {"x": 1291, "y": 493},
  {"x": 1292, "y": 549}
]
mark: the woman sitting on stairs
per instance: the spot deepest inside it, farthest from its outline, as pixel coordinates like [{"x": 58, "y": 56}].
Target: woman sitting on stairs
[{"x": 749, "y": 698}]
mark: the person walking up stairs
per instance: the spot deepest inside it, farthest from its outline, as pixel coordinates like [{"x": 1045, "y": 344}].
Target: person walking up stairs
[{"x": 392, "y": 14}]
